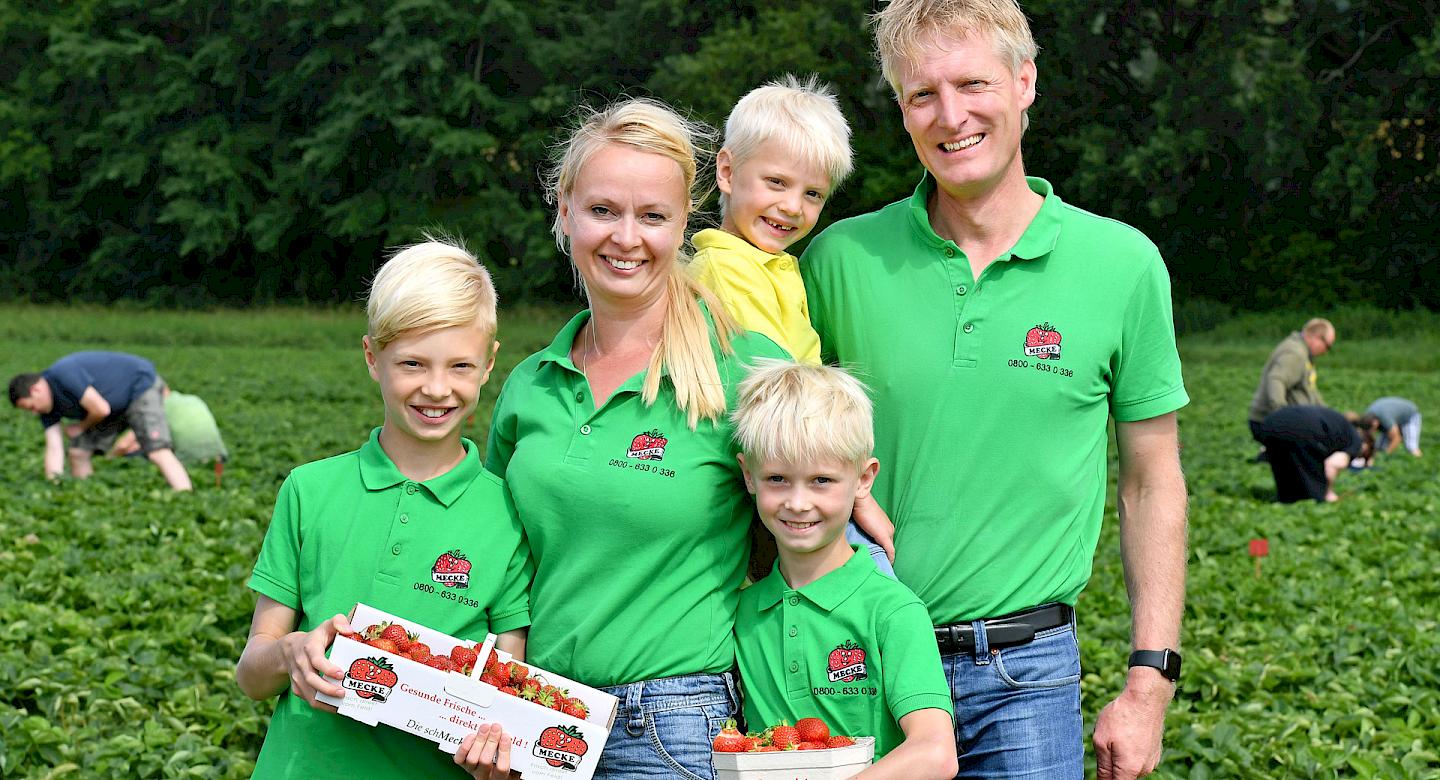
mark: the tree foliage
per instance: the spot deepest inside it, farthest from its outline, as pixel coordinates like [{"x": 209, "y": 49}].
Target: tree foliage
[{"x": 184, "y": 153}]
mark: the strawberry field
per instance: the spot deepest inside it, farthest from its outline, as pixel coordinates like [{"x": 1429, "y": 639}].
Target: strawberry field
[{"x": 123, "y": 606}]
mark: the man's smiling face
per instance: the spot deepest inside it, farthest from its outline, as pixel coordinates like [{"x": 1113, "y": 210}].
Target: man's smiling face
[{"x": 964, "y": 111}]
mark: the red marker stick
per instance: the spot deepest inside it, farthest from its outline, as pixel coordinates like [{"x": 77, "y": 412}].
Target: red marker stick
[{"x": 1259, "y": 548}]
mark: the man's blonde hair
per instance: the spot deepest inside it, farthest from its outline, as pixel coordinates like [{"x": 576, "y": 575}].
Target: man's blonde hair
[
  {"x": 685, "y": 350},
  {"x": 428, "y": 286},
  {"x": 803, "y": 117},
  {"x": 803, "y": 414},
  {"x": 902, "y": 27},
  {"x": 1317, "y": 326}
]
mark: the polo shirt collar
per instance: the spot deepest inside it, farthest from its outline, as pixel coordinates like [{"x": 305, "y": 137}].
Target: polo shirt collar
[
  {"x": 558, "y": 352},
  {"x": 827, "y": 593},
  {"x": 713, "y": 238},
  {"x": 378, "y": 472},
  {"x": 1040, "y": 235}
]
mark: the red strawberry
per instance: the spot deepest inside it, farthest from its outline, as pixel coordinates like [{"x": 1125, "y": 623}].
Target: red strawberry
[
  {"x": 563, "y": 746},
  {"x": 812, "y": 730},
  {"x": 372, "y": 632},
  {"x": 443, "y": 663},
  {"x": 811, "y": 746},
  {"x": 575, "y": 709},
  {"x": 464, "y": 657},
  {"x": 419, "y": 656},
  {"x": 1041, "y": 336},
  {"x": 494, "y": 680},
  {"x": 492, "y": 659},
  {"x": 729, "y": 740},
  {"x": 396, "y": 633},
  {"x": 839, "y": 741},
  {"x": 517, "y": 672},
  {"x": 784, "y": 736},
  {"x": 509, "y": 690},
  {"x": 385, "y": 645},
  {"x": 764, "y": 749},
  {"x": 529, "y": 688},
  {"x": 420, "y": 647}
]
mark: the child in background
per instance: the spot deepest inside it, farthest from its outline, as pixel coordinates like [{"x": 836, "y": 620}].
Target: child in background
[
  {"x": 787, "y": 147},
  {"x": 370, "y": 525},
  {"x": 825, "y": 633}
]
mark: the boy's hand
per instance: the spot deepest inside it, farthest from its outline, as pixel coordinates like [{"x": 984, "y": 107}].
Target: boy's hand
[
  {"x": 310, "y": 671},
  {"x": 486, "y": 753},
  {"x": 873, "y": 520}
]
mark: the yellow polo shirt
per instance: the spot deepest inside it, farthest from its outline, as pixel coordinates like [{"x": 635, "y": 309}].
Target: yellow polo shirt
[{"x": 763, "y": 292}]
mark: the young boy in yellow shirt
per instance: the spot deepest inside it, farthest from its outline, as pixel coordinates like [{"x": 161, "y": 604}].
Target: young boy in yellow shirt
[{"x": 787, "y": 147}]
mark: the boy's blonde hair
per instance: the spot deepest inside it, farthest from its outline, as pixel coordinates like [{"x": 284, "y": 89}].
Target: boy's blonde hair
[
  {"x": 804, "y": 117},
  {"x": 902, "y": 26},
  {"x": 684, "y": 352},
  {"x": 802, "y": 413},
  {"x": 428, "y": 286}
]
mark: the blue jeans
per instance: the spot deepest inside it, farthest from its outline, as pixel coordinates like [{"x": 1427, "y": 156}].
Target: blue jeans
[
  {"x": 1017, "y": 709},
  {"x": 664, "y": 727},
  {"x": 866, "y": 543}
]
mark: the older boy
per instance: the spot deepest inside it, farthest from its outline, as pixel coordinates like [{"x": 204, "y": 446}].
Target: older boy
[
  {"x": 106, "y": 392},
  {"x": 825, "y": 633},
  {"x": 370, "y": 526}
]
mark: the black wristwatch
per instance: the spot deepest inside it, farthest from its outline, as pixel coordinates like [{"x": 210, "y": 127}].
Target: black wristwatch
[{"x": 1167, "y": 661}]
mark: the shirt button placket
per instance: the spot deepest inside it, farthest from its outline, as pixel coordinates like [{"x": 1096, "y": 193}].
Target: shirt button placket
[{"x": 790, "y": 617}]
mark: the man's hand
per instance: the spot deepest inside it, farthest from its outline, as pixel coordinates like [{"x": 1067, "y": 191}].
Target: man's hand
[{"x": 1129, "y": 729}]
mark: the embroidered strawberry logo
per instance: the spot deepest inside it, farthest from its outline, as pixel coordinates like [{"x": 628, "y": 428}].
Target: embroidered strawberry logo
[
  {"x": 451, "y": 569},
  {"x": 649, "y": 445},
  {"x": 561, "y": 746},
  {"x": 371, "y": 678},
  {"x": 847, "y": 662},
  {"x": 1043, "y": 341}
]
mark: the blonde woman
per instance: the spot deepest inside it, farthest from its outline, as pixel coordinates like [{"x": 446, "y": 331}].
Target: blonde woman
[{"x": 615, "y": 444}]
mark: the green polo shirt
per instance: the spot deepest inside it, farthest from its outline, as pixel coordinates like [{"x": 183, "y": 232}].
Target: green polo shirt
[
  {"x": 854, "y": 647},
  {"x": 638, "y": 524},
  {"x": 992, "y": 395},
  {"x": 353, "y": 528}
]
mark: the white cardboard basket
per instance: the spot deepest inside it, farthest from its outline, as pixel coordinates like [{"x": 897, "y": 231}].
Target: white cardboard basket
[
  {"x": 832, "y": 764},
  {"x": 444, "y": 707}
]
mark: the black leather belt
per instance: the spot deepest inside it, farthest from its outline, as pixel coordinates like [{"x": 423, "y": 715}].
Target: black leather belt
[{"x": 1017, "y": 628}]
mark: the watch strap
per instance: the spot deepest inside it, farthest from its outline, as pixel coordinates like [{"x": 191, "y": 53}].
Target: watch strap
[{"x": 1167, "y": 661}]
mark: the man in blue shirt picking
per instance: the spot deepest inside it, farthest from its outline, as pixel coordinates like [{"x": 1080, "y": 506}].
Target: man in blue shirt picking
[{"x": 105, "y": 393}]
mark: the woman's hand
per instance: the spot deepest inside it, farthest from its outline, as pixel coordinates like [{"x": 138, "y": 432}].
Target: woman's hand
[{"x": 485, "y": 754}]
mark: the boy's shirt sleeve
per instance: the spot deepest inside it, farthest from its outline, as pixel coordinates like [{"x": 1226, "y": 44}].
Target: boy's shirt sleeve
[
  {"x": 277, "y": 570},
  {"x": 914, "y": 679},
  {"x": 68, "y": 382},
  {"x": 750, "y": 297},
  {"x": 511, "y": 607}
]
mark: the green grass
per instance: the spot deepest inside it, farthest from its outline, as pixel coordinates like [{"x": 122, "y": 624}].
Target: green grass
[{"x": 123, "y": 606}]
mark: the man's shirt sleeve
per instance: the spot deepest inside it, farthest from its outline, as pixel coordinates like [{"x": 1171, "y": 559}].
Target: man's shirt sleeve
[{"x": 1146, "y": 366}]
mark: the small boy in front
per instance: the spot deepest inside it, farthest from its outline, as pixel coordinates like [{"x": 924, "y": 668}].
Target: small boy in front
[
  {"x": 787, "y": 148},
  {"x": 370, "y": 525},
  {"x": 825, "y": 634}
]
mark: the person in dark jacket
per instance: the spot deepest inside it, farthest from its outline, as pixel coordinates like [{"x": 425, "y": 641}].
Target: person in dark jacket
[{"x": 1307, "y": 447}]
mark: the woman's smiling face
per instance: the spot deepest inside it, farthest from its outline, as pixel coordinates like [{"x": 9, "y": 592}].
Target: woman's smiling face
[{"x": 625, "y": 218}]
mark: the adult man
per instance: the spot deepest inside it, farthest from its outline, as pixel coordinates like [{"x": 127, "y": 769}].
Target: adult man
[
  {"x": 106, "y": 392},
  {"x": 1399, "y": 421},
  {"x": 1000, "y": 329},
  {"x": 1288, "y": 378}
]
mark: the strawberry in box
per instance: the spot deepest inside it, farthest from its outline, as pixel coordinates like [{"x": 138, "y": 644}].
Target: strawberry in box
[{"x": 435, "y": 686}]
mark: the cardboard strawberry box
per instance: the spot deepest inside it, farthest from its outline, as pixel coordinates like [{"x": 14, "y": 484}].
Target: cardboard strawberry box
[
  {"x": 832, "y": 764},
  {"x": 445, "y": 706}
]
